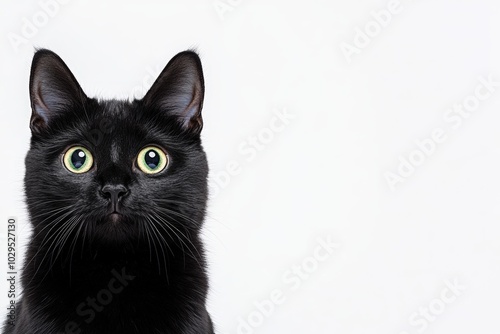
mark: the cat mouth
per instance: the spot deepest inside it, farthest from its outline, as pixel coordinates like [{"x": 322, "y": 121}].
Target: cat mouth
[{"x": 115, "y": 216}]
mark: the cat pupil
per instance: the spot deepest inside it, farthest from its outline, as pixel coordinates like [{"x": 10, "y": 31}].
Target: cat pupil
[
  {"x": 78, "y": 158},
  {"x": 152, "y": 159}
]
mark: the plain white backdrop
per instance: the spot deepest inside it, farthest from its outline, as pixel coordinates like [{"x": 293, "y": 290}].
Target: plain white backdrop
[{"x": 370, "y": 204}]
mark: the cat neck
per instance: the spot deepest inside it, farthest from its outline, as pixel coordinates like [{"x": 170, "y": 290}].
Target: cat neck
[{"x": 79, "y": 265}]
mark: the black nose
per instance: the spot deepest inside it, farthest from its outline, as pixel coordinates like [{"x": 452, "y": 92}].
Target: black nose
[{"x": 114, "y": 192}]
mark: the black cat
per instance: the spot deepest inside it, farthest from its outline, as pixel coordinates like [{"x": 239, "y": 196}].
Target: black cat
[{"x": 116, "y": 193}]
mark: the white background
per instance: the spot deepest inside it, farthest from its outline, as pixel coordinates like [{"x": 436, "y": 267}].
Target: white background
[{"x": 323, "y": 175}]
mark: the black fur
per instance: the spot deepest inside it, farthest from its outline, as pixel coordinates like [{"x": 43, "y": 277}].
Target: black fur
[{"x": 145, "y": 266}]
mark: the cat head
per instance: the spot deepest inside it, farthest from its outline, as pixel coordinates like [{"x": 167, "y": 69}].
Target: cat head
[{"x": 110, "y": 170}]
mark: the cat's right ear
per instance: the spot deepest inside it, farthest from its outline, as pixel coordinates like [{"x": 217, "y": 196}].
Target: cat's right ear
[{"x": 53, "y": 89}]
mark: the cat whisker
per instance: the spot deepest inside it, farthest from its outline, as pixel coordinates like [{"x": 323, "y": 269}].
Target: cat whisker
[
  {"x": 161, "y": 223},
  {"x": 52, "y": 213},
  {"x": 173, "y": 229},
  {"x": 146, "y": 231},
  {"x": 61, "y": 240},
  {"x": 53, "y": 236},
  {"x": 158, "y": 236},
  {"x": 173, "y": 201},
  {"x": 154, "y": 245},
  {"x": 73, "y": 244},
  {"x": 153, "y": 220},
  {"x": 170, "y": 201},
  {"x": 83, "y": 240},
  {"x": 52, "y": 225}
]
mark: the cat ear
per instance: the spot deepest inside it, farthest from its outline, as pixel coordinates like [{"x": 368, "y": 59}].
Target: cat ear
[
  {"x": 179, "y": 91},
  {"x": 53, "y": 89}
]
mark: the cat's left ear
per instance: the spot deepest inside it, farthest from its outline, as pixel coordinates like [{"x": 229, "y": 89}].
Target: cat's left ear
[
  {"x": 53, "y": 89},
  {"x": 179, "y": 91}
]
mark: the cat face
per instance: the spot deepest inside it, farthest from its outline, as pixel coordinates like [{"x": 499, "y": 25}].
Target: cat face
[{"x": 116, "y": 171}]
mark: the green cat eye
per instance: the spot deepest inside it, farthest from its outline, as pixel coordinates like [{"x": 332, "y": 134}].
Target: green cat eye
[
  {"x": 152, "y": 160},
  {"x": 78, "y": 160}
]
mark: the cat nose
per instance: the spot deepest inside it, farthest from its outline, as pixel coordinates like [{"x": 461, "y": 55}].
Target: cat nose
[{"x": 114, "y": 192}]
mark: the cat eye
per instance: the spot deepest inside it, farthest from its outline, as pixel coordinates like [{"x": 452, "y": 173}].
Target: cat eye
[
  {"x": 152, "y": 160},
  {"x": 78, "y": 160}
]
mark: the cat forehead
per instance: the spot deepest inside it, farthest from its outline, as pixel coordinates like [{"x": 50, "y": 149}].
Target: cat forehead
[
  {"x": 113, "y": 116},
  {"x": 115, "y": 109}
]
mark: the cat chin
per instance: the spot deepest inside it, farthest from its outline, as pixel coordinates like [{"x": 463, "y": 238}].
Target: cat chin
[
  {"x": 115, "y": 226},
  {"x": 111, "y": 224},
  {"x": 114, "y": 234}
]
